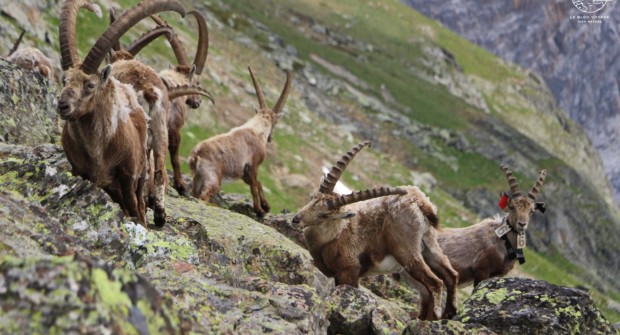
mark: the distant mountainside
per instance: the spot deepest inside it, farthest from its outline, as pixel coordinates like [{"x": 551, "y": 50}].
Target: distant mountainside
[{"x": 578, "y": 61}]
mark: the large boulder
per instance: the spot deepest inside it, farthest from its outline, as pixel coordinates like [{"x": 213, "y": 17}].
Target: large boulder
[{"x": 527, "y": 306}]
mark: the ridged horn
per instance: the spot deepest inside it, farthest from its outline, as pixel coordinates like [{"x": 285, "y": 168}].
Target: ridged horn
[
  {"x": 533, "y": 193},
  {"x": 179, "y": 91},
  {"x": 365, "y": 195},
  {"x": 200, "y": 58},
  {"x": 512, "y": 182},
  {"x": 329, "y": 181},
  {"x": 17, "y": 42},
  {"x": 175, "y": 44},
  {"x": 66, "y": 30},
  {"x": 130, "y": 18},
  {"x": 112, "y": 13},
  {"x": 280, "y": 104},
  {"x": 259, "y": 91},
  {"x": 149, "y": 37}
]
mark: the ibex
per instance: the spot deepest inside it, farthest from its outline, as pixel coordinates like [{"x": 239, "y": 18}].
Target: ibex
[
  {"x": 238, "y": 153},
  {"x": 183, "y": 75},
  {"x": 491, "y": 247},
  {"x": 105, "y": 133},
  {"x": 31, "y": 58},
  {"x": 153, "y": 96},
  {"x": 377, "y": 231}
]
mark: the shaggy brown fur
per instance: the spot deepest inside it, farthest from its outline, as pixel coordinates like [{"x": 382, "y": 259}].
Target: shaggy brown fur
[
  {"x": 377, "y": 231},
  {"x": 104, "y": 136},
  {"x": 153, "y": 95}
]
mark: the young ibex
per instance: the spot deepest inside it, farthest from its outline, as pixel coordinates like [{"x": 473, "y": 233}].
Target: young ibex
[
  {"x": 31, "y": 58},
  {"x": 105, "y": 134},
  {"x": 238, "y": 153},
  {"x": 377, "y": 231},
  {"x": 491, "y": 247}
]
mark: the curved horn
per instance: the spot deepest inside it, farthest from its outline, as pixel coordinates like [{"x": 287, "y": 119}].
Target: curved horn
[
  {"x": 259, "y": 91},
  {"x": 17, "y": 42},
  {"x": 365, "y": 195},
  {"x": 280, "y": 104},
  {"x": 203, "y": 42},
  {"x": 122, "y": 24},
  {"x": 512, "y": 181},
  {"x": 66, "y": 30},
  {"x": 536, "y": 188},
  {"x": 179, "y": 91},
  {"x": 174, "y": 42},
  {"x": 112, "y": 12},
  {"x": 329, "y": 182},
  {"x": 147, "y": 38}
]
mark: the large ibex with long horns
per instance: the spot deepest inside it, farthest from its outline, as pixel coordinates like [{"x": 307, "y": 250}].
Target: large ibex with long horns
[
  {"x": 182, "y": 81},
  {"x": 182, "y": 75},
  {"x": 105, "y": 133},
  {"x": 376, "y": 231},
  {"x": 491, "y": 247},
  {"x": 238, "y": 153}
]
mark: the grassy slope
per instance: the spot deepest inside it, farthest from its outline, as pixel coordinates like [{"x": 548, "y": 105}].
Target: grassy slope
[
  {"x": 316, "y": 142},
  {"x": 430, "y": 104}
]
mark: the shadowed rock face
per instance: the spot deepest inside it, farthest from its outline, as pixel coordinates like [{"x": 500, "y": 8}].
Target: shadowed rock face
[{"x": 578, "y": 61}]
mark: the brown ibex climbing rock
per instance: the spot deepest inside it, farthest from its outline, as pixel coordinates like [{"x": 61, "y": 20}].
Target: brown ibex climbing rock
[
  {"x": 238, "y": 153},
  {"x": 377, "y": 231},
  {"x": 101, "y": 111}
]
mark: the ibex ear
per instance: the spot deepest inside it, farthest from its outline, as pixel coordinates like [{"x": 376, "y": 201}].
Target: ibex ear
[
  {"x": 540, "y": 206},
  {"x": 105, "y": 74},
  {"x": 192, "y": 72}
]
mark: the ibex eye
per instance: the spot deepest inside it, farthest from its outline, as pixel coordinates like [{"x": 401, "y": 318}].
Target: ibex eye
[
  {"x": 90, "y": 86},
  {"x": 323, "y": 216}
]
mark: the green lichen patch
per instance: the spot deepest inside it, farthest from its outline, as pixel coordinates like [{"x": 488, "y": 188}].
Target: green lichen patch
[
  {"x": 517, "y": 306},
  {"x": 61, "y": 295}
]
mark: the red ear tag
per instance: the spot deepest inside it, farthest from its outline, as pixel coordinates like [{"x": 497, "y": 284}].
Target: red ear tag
[{"x": 503, "y": 201}]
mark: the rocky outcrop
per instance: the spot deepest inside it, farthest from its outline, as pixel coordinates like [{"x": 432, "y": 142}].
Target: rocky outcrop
[
  {"x": 23, "y": 116},
  {"x": 521, "y": 306},
  {"x": 546, "y": 36}
]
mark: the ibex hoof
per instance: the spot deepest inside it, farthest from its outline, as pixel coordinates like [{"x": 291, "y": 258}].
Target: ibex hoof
[
  {"x": 159, "y": 217},
  {"x": 181, "y": 189},
  {"x": 265, "y": 207},
  {"x": 448, "y": 313}
]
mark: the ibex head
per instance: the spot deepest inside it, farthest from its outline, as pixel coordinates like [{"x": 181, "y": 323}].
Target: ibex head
[
  {"x": 271, "y": 114},
  {"x": 521, "y": 208},
  {"x": 326, "y": 206},
  {"x": 190, "y": 72},
  {"x": 81, "y": 80}
]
